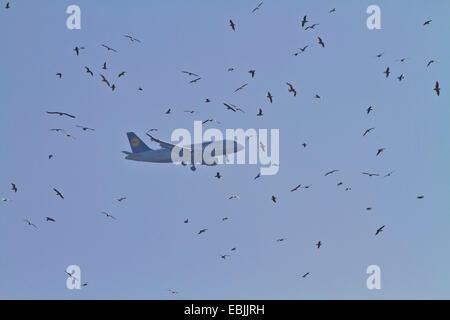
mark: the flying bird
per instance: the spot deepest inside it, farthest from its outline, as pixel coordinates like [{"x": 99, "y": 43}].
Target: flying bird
[
  {"x": 281, "y": 239},
  {"x": 427, "y": 22},
  {"x": 29, "y": 223},
  {"x": 319, "y": 41},
  {"x": 195, "y": 80},
  {"x": 333, "y": 10},
  {"x": 388, "y": 174},
  {"x": 108, "y": 215},
  {"x": 7, "y": 6},
  {"x": 380, "y": 150},
  {"x": 260, "y": 113},
  {"x": 269, "y": 96},
  {"x": 305, "y": 275},
  {"x": 13, "y": 187},
  {"x": 48, "y": 219},
  {"x": 430, "y": 62},
  {"x": 257, "y": 7},
  {"x": 312, "y": 26},
  {"x": 387, "y": 72},
  {"x": 58, "y": 193},
  {"x": 120, "y": 199},
  {"x": 105, "y": 81},
  {"x": 85, "y": 128},
  {"x": 331, "y": 172},
  {"x": 59, "y": 74},
  {"x": 77, "y": 50},
  {"x": 168, "y": 111},
  {"x": 379, "y": 230},
  {"x": 218, "y": 176},
  {"x": 132, "y": 39},
  {"x": 420, "y": 197},
  {"x": 252, "y": 72},
  {"x": 241, "y": 87},
  {"x": 401, "y": 77},
  {"x": 109, "y": 48},
  {"x": 437, "y": 89},
  {"x": 186, "y": 221},
  {"x": 224, "y": 256},
  {"x": 229, "y": 107},
  {"x": 380, "y": 55},
  {"x": 291, "y": 89},
  {"x": 370, "y": 174},
  {"x": 274, "y": 199},
  {"x": 367, "y": 131},
  {"x": 190, "y": 73},
  {"x": 370, "y": 108},
  {"x": 61, "y": 114},
  {"x": 89, "y": 71},
  {"x": 319, "y": 244},
  {"x": 234, "y": 197},
  {"x": 304, "y": 21},
  {"x": 202, "y": 231},
  {"x": 232, "y": 25},
  {"x": 121, "y": 74},
  {"x": 296, "y": 188},
  {"x": 104, "y": 66}
]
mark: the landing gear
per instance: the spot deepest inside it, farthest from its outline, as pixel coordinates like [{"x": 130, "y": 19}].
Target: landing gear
[{"x": 193, "y": 168}]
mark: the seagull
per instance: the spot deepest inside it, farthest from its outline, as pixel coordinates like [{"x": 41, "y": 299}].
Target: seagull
[
  {"x": 84, "y": 284},
  {"x": 104, "y": 66},
  {"x": 195, "y": 80},
  {"x": 29, "y": 223},
  {"x": 224, "y": 256},
  {"x": 168, "y": 111},
  {"x": 257, "y": 7},
  {"x": 311, "y": 26},
  {"x": 50, "y": 156},
  {"x": 263, "y": 147},
  {"x": 105, "y": 81},
  {"x": 140, "y": 89},
  {"x": 13, "y": 187},
  {"x": 113, "y": 87},
  {"x": 340, "y": 184},
  {"x": 304, "y": 145},
  {"x": 190, "y": 111},
  {"x": 201, "y": 231},
  {"x": 379, "y": 230},
  {"x": 301, "y": 50},
  {"x": 173, "y": 291},
  {"x": 370, "y": 108},
  {"x": 108, "y": 215},
  {"x": 380, "y": 150},
  {"x": 420, "y": 197},
  {"x": 230, "y": 69},
  {"x": 89, "y": 71},
  {"x": 427, "y": 22},
  {"x": 120, "y": 199},
  {"x": 296, "y": 188},
  {"x": 225, "y": 219},
  {"x": 70, "y": 275},
  {"x": 48, "y": 219},
  {"x": 109, "y": 48},
  {"x": 317, "y": 96},
  {"x": 190, "y": 73},
  {"x": 186, "y": 221},
  {"x": 121, "y": 74},
  {"x": 218, "y": 176},
  {"x": 241, "y": 87},
  {"x": 229, "y": 107},
  {"x": 291, "y": 89},
  {"x": 252, "y": 72},
  {"x": 131, "y": 38},
  {"x": 333, "y": 10},
  {"x": 257, "y": 176},
  {"x": 380, "y": 55},
  {"x": 402, "y": 59},
  {"x": 389, "y": 174},
  {"x": 367, "y": 131},
  {"x": 77, "y": 50},
  {"x": 234, "y": 197},
  {"x": 401, "y": 77},
  {"x": 281, "y": 239},
  {"x": 232, "y": 25},
  {"x": 331, "y": 172},
  {"x": 59, "y": 74},
  {"x": 319, "y": 41},
  {"x": 61, "y": 114},
  {"x": 430, "y": 62},
  {"x": 59, "y": 194},
  {"x": 233, "y": 249},
  {"x": 319, "y": 244},
  {"x": 274, "y": 199},
  {"x": 7, "y": 6},
  {"x": 260, "y": 113},
  {"x": 370, "y": 174},
  {"x": 85, "y": 128},
  {"x": 437, "y": 89},
  {"x": 387, "y": 72},
  {"x": 304, "y": 21},
  {"x": 305, "y": 275},
  {"x": 269, "y": 96}
]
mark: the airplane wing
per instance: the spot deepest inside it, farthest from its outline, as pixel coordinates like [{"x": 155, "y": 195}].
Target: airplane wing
[{"x": 167, "y": 145}]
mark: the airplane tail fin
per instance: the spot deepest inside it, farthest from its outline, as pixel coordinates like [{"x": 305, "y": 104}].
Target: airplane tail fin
[{"x": 137, "y": 145}]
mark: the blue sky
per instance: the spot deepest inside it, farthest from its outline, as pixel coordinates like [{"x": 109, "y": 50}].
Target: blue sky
[{"x": 149, "y": 249}]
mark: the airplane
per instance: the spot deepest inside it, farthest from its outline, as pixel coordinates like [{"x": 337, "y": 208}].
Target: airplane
[{"x": 141, "y": 152}]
